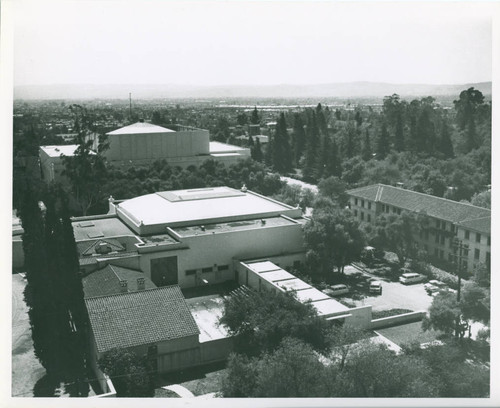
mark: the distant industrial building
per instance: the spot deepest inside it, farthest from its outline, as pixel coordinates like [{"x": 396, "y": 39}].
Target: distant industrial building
[
  {"x": 142, "y": 143},
  {"x": 447, "y": 220}
]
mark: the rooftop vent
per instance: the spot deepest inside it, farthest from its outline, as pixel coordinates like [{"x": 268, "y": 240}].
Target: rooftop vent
[
  {"x": 202, "y": 227},
  {"x": 263, "y": 222},
  {"x": 244, "y": 188},
  {"x": 400, "y": 185},
  {"x": 103, "y": 248},
  {"x": 141, "y": 283},
  {"x": 123, "y": 286}
]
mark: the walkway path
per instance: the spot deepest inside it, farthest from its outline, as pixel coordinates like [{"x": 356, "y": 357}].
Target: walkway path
[{"x": 181, "y": 391}]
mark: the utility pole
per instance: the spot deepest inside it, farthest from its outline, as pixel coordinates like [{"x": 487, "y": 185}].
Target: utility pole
[{"x": 460, "y": 251}]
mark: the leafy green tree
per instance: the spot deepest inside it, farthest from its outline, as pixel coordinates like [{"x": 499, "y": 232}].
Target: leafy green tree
[
  {"x": 333, "y": 239},
  {"x": 261, "y": 320},
  {"x": 335, "y": 189},
  {"x": 86, "y": 169},
  {"x": 131, "y": 374},
  {"x": 482, "y": 199},
  {"x": 467, "y": 106},
  {"x": 445, "y": 314},
  {"x": 396, "y": 232},
  {"x": 374, "y": 371},
  {"x": 342, "y": 340},
  {"x": 242, "y": 119},
  {"x": 221, "y": 131}
]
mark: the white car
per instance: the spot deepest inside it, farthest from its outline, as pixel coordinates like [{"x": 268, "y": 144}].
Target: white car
[
  {"x": 336, "y": 290},
  {"x": 376, "y": 287},
  {"x": 411, "y": 277}
]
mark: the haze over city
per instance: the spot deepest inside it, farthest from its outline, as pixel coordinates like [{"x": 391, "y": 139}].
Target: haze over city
[{"x": 243, "y": 43}]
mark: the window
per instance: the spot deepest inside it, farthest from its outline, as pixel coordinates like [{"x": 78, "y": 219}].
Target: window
[
  {"x": 368, "y": 217},
  {"x": 207, "y": 270},
  {"x": 436, "y": 240},
  {"x": 355, "y": 213},
  {"x": 383, "y": 207},
  {"x": 478, "y": 238},
  {"x": 223, "y": 267},
  {"x": 467, "y": 234},
  {"x": 387, "y": 208},
  {"x": 362, "y": 203},
  {"x": 190, "y": 272},
  {"x": 442, "y": 239},
  {"x": 369, "y": 205},
  {"x": 441, "y": 254},
  {"x": 362, "y": 216},
  {"x": 476, "y": 254},
  {"x": 355, "y": 201},
  {"x": 438, "y": 224}
]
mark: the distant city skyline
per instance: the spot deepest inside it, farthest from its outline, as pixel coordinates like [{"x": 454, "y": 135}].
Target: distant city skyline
[{"x": 260, "y": 43}]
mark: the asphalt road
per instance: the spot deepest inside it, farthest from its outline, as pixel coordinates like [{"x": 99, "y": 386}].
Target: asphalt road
[{"x": 395, "y": 296}]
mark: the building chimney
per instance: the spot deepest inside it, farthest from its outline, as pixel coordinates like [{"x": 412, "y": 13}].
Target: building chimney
[
  {"x": 123, "y": 286},
  {"x": 141, "y": 283}
]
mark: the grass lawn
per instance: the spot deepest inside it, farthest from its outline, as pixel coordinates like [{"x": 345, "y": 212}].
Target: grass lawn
[
  {"x": 409, "y": 333},
  {"x": 209, "y": 383},
  {"x": 198, "y": 380}
]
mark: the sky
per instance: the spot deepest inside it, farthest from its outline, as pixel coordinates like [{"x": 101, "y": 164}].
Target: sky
[{"x": 257, "y": 43}]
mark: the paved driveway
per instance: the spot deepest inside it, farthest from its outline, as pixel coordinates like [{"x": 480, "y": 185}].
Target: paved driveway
[{"x": 395, "y": 296}]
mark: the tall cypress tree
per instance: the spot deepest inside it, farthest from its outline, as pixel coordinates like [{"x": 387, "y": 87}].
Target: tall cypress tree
[
  {"x": 54, "y": 293},
  {"x": 445, "y": 144},
  {"x": 312, "y": 148},
  {"x": 256, "y": 151},
  {"x": 298, "y": 138},
  {"x": 366, "y": 150},
  {"x": 383, "y": 142},
  {"x": 399, "y": 137}
]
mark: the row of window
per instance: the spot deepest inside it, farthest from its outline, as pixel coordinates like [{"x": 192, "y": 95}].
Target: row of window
[
  {"x": 362, "y": 215},
  {"x": 478, "y": 237},
  {"x": 362, "y": 203},
  {"x": 208, "y": 269}
]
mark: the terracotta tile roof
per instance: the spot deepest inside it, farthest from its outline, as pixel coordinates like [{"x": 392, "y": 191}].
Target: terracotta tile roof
[
  {"x": 106, "y": 281},
  {"x": 437, "y": 207},
  {"x": 137, "y": 318}
]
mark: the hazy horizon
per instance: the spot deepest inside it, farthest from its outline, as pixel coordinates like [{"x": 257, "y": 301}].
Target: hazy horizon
[{"x": 260, "y": 43}]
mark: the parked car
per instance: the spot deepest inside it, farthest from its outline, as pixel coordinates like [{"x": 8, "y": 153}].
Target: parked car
[
  {"x": 376, "y": 287},
  {"x": 411, "y": 277},
  {"x": 336, "y": 290},
  {"x": 434, "y": 286}
]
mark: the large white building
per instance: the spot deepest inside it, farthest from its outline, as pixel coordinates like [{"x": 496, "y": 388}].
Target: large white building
[
  {"x": 191, "y": 237},
  {"x": 142, "y": 143}
]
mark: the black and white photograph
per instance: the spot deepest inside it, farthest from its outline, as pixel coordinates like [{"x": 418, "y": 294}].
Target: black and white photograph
[{"x": 287, "y": 203}]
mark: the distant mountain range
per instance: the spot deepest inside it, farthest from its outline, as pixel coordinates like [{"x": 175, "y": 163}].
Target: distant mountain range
[{"x": 332, "y": 90}]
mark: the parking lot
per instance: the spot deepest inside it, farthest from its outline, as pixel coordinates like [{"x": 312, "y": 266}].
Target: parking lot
[{"x": 394, "y": 294}]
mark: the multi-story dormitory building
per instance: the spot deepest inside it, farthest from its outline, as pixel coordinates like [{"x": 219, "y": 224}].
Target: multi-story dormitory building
[{"x": 447, "y": 220}]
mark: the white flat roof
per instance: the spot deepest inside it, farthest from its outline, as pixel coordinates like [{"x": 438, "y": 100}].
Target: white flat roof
[
  {"x": 139, "y": 128},
  {"x": 312, "y": 295},
  {"x": 56, "y": 151},
  {"x": 218, "y": 147},
  {"x": 329, "y": 307},
  {"x": 175, "y": 208}
]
